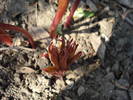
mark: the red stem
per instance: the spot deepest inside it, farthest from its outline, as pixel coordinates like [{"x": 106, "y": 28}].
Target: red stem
[
  {"x": 5, "y": 38},
  {"x": 72, "y": 10},
  {"x": 18, "y": 29},
  {"x": 63, "y": 4}
]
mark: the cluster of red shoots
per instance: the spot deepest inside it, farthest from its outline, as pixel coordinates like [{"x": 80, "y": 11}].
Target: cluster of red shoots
[{"x": 60, "y": 56}]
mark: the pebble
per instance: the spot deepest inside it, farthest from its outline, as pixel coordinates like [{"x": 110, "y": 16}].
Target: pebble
[
  {"x": 131, "y": 93},
  {"x": 106, "y": 26},
  {"x": 42, "y": 62},
  {"x": 121, "y": 95},
  {"x": 95, "y": 41},
  {"x": 123, "y": 82},
  {"x": 69, "y": 82},
  {"x": 115, "y": 67},
  {"x": 91, "y": 5},
  {"x": 17, "y": 42},
  {"x": 60, "y": 84},
  {"x": 109, "y": 76},
  {"x": 67, "y": 36},
  {"x": 67, "y": 98},
  {"x": 71, "y": 76},
  {"x": 107, "y": 88},
  {"x": 81, "y": 90}
]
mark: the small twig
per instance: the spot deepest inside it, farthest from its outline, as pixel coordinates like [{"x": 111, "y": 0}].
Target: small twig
[
  {"x": 7, "y": 48},
  {"x": 126, "y": 13},
  {"x": 16, "y": 48},
  {"x": 124, "y": 17},
  {"x": 120, "y": 86},
  {"x": 24, "y": 48},
  {"x": 129, "y": 21}
]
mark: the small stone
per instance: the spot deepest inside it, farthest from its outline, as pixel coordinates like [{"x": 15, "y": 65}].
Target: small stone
[
  {"x": 71, "y": 76},
  {"x": 67, "y": 36},
  {"x": 98, "y": 46},
  {"x": 110, "y": 76},
  {"x": 43, "y": 80},
  {"x": 115, "y": 67},
  {"x": 25, "y": 69},
  {"x": 107, "y": 88},
  {"x": 131, "y": 93},
  {"x": 24, "y": 90},
  {"x": 121, "y": 95},
  {"x": 17, "y": 42},
  {"x": 1, "y": 56},
  {"x": 42, "y": 62},
  {"x": 106, "y": 26},
  {"x": 67, "y": 98},
  {"x": 81, "y": 90},
  {"x": 69, "y": 82},
  {"x": 95, "y": 41},
  {"x": 101, "y": 51},
  {"x": 60, "y": 84},
  {"x": 123, "y": 82},
  {"x": 91, "y": 5},
  {"x": 17, "y": 78}
]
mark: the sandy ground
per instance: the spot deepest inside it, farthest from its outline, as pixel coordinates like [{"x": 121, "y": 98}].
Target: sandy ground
[{"x": 104, "y": 71}]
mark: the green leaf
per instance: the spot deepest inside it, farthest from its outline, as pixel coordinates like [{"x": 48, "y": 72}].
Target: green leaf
[
  {"x": 59, "y": 29},
  {"x": 88, "y": 14},
  {"x": 78, "y": 13},
  {"x": 83, "y": 13}
]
